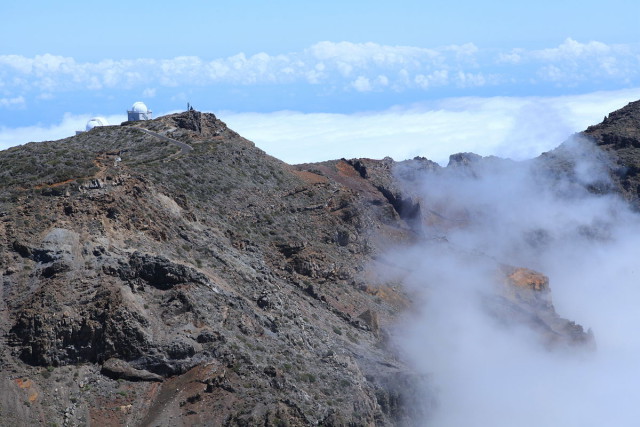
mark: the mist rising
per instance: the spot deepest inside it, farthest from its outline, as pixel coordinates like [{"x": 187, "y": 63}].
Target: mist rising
[{"x": 556, "y": 215}]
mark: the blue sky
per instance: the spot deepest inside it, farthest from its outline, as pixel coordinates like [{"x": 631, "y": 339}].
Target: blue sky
[{"x": 329, "y": 62}]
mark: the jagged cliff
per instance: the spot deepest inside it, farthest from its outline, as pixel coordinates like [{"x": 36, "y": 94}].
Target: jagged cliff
[{"x": 171, "y": 273}]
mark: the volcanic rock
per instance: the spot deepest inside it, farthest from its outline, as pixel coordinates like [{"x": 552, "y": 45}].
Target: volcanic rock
[
  {"x": 119, "y": 369},
  {"x": 238, "y": 280},
  {"x": 199, "y": 260}
]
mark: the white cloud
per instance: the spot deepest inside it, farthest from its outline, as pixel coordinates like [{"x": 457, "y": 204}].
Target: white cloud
[
  {"x": 314, "y": 77},
  {"x": 434, "y": 79},
  {"x": 337, "y": 64},
  {"x": 360, "y": 54},
  {"x": 573, "y": 49},
  {"x": 362, "y": 84},
  {"x": 572, "y": 62},
  {"x": 470, "y": 79},
  {"x": 16, "y": 102},
  {"x": 513, "y": 57},
  {"x": 19, "y": 63}
]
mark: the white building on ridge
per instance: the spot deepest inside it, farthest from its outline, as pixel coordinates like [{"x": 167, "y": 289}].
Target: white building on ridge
[
  {"x": 94, "y": 122},
  {"x": 138, "y": 111}
]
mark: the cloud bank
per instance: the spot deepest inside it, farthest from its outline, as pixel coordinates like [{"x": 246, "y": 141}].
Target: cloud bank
[
  {"x": 341, "y": 66},
  {"x": 514, "y": 127}
]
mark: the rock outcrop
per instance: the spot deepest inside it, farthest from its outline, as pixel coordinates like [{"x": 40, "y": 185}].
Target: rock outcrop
[{"x": 526, "y": 300}]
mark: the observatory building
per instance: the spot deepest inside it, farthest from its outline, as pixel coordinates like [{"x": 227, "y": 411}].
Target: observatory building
[
  {"x": 95, "y": 121},
  {"x": 138, "y": 111}
]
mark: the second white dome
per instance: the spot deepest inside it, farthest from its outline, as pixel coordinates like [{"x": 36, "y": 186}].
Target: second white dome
[
  {"x": 96, "y": 121},
  {"x": 139, "y": 107}
]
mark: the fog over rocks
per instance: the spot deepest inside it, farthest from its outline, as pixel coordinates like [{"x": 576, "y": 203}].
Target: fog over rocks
[{"x": 565, "y": 214}]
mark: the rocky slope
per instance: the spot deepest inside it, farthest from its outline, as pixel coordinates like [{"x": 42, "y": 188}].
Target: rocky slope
[
  {"x": 619, "y": 136},
  {"x": 181, "y": 276}
]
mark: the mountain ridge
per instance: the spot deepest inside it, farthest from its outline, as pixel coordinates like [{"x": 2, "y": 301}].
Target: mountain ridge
[
  {"x": 169, "y": 261},
  {"x": 149, "y": 283}
]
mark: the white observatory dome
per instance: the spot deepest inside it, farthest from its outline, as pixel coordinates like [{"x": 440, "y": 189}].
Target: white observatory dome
[
  {"x": 96, "y": 121},
  {"x": 139, "y": 107}
]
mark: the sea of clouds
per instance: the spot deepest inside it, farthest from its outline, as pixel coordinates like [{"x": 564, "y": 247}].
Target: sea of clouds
[{"x": 514, "y": 127}]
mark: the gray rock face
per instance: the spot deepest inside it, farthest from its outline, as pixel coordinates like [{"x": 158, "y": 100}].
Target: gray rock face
[
  {"x": 119, "y": 369},
  {"x": 224, "y": 272},
  {"x": 619, "y": 136},
  {"x": 159, "y": 272}
]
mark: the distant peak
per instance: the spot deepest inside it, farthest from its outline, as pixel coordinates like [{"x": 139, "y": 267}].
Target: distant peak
[{"x": 196, "y": 123}]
